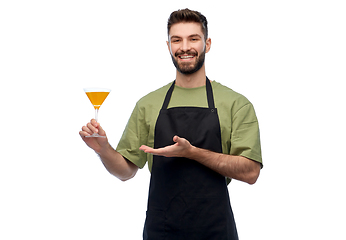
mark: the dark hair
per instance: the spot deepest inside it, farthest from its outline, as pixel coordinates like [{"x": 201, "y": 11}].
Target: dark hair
[{"x": 187, "y": 15}]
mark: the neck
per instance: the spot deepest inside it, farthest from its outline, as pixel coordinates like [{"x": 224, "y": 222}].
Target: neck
[{"x": 194, "y": 80}]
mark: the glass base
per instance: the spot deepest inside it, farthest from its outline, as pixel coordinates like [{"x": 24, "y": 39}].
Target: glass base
[{"x": 96, "y": 135}]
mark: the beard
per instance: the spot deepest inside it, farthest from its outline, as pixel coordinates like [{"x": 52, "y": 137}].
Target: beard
[{"x": 189, "y": 68}]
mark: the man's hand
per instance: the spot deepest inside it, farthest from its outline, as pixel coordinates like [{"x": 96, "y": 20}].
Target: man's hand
[
  {"x": 114, "y": 162},
  {"x": 237, "y": 167},
  {"x": 94, "y": 143},
  {"x": 181, "y": 148}
]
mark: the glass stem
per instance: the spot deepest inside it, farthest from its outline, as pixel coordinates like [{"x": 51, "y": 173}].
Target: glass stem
[{"x": 96, "y": 114}]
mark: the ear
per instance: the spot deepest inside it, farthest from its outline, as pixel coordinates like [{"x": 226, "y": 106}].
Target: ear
[
  {"x": 169, "y": 47},
  {"x": 207, "y": 45}
]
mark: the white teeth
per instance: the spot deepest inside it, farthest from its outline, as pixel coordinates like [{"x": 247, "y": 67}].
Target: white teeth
[{"x": 186, "y": 57}]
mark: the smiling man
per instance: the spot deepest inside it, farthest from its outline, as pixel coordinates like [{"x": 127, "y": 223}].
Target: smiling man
[
  {"x": 195, "y": 134},
  {"x": 192, "y": 53}
]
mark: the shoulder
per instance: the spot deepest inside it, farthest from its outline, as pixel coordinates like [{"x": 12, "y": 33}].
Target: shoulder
[
  {"x": 154, "y": 97},
  {"x": 226, "y": 96}
]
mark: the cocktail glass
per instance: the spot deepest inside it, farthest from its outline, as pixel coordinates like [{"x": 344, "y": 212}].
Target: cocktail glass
[{"x": 96, "y": 97}]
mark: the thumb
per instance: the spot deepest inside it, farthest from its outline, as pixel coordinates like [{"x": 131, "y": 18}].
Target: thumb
[
  {"x": 176, "y": 138},
  {"x": 180, "y": 141}
]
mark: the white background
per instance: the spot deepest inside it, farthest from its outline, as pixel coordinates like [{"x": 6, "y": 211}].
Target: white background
[{"x": 287, "y": 57}]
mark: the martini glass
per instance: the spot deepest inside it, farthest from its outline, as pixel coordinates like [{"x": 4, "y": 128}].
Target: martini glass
[{"x": 97, "y": 97}]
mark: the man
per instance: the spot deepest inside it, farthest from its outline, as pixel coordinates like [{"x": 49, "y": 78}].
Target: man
[{"x": 195, "y": 134}]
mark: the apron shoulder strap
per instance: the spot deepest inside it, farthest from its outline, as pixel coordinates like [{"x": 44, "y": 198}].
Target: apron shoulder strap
[
  {"x": 210, "y": 95},
  {"x": 168, "y": 96}
]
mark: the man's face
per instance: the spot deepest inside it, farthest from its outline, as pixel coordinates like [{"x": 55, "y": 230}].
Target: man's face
[{"x": 188, "y": 47}]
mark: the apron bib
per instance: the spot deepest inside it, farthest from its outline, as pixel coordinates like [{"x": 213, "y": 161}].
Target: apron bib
[{"x": 186, "y": 199}]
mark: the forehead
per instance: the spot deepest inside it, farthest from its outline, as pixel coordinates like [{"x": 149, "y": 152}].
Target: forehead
[{"x": 185, "y": 29}]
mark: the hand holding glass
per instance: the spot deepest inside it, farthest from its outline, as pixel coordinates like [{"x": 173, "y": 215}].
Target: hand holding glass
[{"x": 97, "y": 97}]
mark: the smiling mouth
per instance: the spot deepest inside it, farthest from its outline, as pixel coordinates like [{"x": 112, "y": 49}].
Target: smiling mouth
[{"x": 186, "y": 57}]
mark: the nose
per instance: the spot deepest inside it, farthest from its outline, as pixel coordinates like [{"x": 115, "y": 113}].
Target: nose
[{"x": 185, "y": 45}]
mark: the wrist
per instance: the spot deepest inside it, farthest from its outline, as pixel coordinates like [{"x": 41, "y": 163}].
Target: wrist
[
  {"x": 105, "y": 150},
  {"x": 191, "y": 152}
]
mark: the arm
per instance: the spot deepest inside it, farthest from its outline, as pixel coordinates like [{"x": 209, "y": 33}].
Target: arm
[
  {"x": 114, "y": 162},
  {"x": 236, "y": 167}
]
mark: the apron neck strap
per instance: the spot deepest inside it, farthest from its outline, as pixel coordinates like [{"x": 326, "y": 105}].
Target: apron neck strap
[
  {"x": 210, "y": 95},
  {"x": 209, "y": 90}
]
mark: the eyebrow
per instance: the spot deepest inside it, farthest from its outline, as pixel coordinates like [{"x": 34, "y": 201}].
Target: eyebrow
[{"x": 193, "y": 35}]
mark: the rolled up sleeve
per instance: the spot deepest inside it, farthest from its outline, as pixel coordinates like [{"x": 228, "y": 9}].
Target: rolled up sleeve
[{"x": 245, "y": 137}]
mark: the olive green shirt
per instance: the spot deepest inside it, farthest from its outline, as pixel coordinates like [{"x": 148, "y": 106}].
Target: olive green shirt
[{"x": 238, "y": 121}]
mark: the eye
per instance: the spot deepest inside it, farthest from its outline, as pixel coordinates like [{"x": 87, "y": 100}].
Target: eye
[
  {"x": 194, "y": 39},
  {"x": 175, "y": 41}
]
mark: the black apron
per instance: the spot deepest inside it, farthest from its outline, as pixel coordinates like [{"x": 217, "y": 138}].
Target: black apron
[{"x": 186, "y": 199}]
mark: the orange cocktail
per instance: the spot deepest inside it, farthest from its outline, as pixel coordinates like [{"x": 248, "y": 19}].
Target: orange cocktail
[{"x": 96, "y": 96}]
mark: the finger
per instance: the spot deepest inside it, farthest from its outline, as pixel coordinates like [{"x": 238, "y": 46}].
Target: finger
[
  {"x": 92, "y": 128},
  {"x": 94, "y": 123},
  {"x": 145, "y": 148},
  {"x": 86, "y": 130},
  {"x": 150, "y": 150},
  {"x": 83, "y": 134}
]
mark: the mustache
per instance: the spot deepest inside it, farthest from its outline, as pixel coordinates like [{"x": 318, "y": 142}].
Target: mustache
[{"x": 189, "y": 52}]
